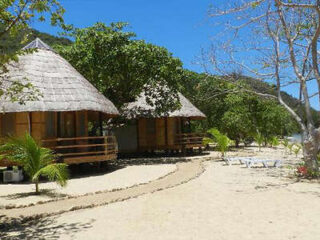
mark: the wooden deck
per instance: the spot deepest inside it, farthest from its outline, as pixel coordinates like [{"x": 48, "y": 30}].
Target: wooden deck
[
  {"x": 189, "y": 140},
  {"x": 83, "y": 149},
  {"x": 182, "y": 142}
]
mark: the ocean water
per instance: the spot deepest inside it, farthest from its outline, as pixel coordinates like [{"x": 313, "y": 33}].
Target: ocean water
[{"x": 297, "y": 138}]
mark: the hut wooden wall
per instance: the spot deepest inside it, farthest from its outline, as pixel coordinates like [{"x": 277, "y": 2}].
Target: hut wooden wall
[
  {"x": 157, "y": 133},
  {"x": 21, "y": 124},
  {"x": 161, "y": 132},
  {"x": 127, "y": 137},
  {"x": 44, "y": 124}
]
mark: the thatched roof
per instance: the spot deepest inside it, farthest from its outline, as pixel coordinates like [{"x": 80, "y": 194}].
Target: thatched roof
[
  {"x": 61, "y": 86},
  {"x": 140, "y": 108}
]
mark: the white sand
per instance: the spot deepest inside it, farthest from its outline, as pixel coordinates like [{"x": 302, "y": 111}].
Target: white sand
[
  {"x": 225, "y": 202},
  {"x": 123, "y": 178}
]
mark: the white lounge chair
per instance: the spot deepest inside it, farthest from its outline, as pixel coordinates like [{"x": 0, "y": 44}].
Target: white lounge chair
[
  {"x": 230, "y": 160},
  {"x": 252, "y": 161}
]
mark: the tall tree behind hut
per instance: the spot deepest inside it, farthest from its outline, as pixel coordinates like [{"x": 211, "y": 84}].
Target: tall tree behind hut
[{"x": 121, "y": 67}]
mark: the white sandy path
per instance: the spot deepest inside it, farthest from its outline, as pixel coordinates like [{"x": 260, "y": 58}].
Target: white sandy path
[
  {"x": 223, "y": 203},
  {"x": 122, "y": 178}
]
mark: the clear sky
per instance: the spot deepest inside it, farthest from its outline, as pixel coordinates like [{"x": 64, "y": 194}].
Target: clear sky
[
  {"x": 182, "y": 26},
  {"x": 179, "y": 25}
]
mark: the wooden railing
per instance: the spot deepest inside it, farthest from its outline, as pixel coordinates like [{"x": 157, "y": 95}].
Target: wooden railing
[
  {"x": 83, "y": 149},
  {"x": 189, "y": 139}
]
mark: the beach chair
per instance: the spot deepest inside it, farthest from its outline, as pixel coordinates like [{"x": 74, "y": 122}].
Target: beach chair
[
  {"x": 251, "y": 161},
  {"x": 230, "y": 160}
]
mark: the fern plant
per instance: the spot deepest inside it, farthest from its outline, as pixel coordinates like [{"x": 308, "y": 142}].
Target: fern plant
[
  {"x": 36, "y": 161},
  {"x": 222, "y": 141}
]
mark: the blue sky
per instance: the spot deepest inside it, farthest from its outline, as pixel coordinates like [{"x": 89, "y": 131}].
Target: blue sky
[{"x": 182, "y": 26}]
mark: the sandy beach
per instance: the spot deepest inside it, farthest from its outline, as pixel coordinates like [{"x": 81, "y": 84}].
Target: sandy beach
[
  {"x": 224, "y": 202},
  {"x": 17, "y": 194}
]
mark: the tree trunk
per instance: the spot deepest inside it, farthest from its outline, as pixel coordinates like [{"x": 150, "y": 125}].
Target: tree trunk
[
  {"x": 310, "y": 153},
  {"x": 237, "y": 142},
  {"x": 37, "y": 188}
]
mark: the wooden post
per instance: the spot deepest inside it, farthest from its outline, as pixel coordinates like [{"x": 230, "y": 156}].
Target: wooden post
[
  {"x": 30, "y": 122},
  {"x": 138, "y": 140},
  {"x": 189, "y": 125},
  {"x": 181, "y": 125},
  {"x": 75, "y": 125},
  {"x": 58, "y": 124},
  {"x": 100, "y": 124},
  {"x": 166, "y": 131}
]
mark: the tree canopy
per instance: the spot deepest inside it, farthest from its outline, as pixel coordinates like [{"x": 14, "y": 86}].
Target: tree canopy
[
  {"x": 238, "y": 114},
  {"x": 121, "y": 66}
]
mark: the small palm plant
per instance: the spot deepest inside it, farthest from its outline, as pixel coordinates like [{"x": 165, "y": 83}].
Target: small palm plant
[
  {"x": 36, "y": 160},
  {"x": 223, "y": 142},
  {"x": 274, "y": 141},
  {"x": 259, "y": 139},
  {"x": 297, "y": 149},
  {"x": 285, "y": 143},
  {"x": 290, "y": 147}
]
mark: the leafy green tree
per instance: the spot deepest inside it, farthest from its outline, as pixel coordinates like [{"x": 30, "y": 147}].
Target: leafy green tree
[
  {"x": 238, "y": 122},
  {"x": 272, "y": 119},
  {"x": 222, "y": 141},
  {"x": 15, "y": 18},
  {"x": 35, "y": 160},
  {"x": 121, "y": 66},
  {"x": 237, "y": 113}
]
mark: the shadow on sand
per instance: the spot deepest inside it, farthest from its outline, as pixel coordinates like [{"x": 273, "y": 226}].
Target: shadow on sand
[
  {"x": 43, "y": 192},
  {"x": 41, "y": 228},
  {"x": 154, "y": 159}
]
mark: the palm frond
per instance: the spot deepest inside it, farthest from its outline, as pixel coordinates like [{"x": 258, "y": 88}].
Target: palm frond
[
  {"x": 36, "y": 160},
  {"x": 207, "y": 140},
  {"x": 57, "y": 172},
  {"x": 222, "y": 140}
]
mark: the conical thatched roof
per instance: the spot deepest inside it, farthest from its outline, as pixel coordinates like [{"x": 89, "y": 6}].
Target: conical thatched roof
[
  {"x": 140, "y": 108},
  {"x": 61, "y": 86}
]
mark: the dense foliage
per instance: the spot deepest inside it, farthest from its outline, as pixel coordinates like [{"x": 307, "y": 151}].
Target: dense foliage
[
  {"x": 12, "y": 45},
  {"x": 238, "y": 114},
  {"x": 121, "y": 66}
]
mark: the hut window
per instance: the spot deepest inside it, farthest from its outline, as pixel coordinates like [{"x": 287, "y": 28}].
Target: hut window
[
  {"x": 151, "y": 126},
  {"x": 50, "y": 124},
  {"x": 8, "y": 122}
]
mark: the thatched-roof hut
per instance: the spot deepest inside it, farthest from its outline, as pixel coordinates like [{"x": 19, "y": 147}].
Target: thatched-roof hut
[
  {"x": 150, "y": 132},
  {"x": 67, "y": 112}
]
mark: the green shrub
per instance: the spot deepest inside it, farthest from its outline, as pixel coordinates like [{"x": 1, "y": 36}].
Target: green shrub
[{"x": 222, "y": 141}]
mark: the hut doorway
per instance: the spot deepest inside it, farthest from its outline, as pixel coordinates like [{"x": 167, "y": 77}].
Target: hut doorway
[{"x": 67, "y": 125}]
